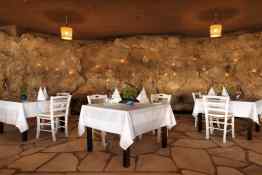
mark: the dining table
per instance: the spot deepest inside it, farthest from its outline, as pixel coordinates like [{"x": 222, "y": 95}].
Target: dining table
[
  {"x": 248, "y": 110},
  {"x": 17, "y": 113},
  {"x": 128, "y": 121}
]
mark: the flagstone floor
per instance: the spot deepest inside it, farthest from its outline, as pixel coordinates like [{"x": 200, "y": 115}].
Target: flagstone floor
[{"x": 188, "y": 153}]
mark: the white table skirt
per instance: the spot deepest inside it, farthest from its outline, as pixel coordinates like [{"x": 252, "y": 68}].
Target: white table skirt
[
  {"x": 15, "y": 113},
  {"x": 127, "y": 121},
  {"x": 241, "y": 109}
]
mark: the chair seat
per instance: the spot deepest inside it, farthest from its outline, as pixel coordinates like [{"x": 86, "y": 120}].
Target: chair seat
[{"x": 48, "y": 114}]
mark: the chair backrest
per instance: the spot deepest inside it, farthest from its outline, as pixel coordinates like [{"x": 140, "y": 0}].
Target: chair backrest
[
  {"x": 161, "y": 98},
  {"x": 216, "y": 106},
  {"x": 97, "y": 99},
  {"x": 196, "y": 95},
  {"x": 60, "y": 104},
  {"x": 62, "y": 93}
]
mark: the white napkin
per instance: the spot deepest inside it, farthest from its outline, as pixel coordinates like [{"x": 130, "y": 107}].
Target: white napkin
[
  {"x": 224, "y": 92},
  {"x": 211, "y": 91},
  {"x": 41, "y": 95},
  {"x": 142, "y": 97},
  {"x": 45, "y": 93},
  {"x": 116, "y": 98}
]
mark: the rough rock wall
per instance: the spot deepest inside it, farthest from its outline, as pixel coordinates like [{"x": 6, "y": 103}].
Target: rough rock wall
[{"x": 160, "y": 63}]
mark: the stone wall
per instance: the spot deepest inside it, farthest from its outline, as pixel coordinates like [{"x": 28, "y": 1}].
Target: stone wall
[{"x": 169, "y": 64}]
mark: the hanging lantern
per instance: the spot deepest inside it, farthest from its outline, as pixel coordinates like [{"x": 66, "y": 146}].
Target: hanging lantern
[
  {"x": 215, "y": 30},
  {"x": 66, "y": 31}
]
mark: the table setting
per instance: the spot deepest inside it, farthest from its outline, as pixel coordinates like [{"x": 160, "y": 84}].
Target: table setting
[
  {"x": 17, "y": 113},
  {"x": 129, "y": 120},
  {"x": 240, "y": 108}
]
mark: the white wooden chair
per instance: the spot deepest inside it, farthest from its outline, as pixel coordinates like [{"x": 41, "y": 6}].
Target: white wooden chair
[
  {"x": 62, "y": 93},
  {"x": 196, "y": 95},
  {"x": 217, "y": 116},
  {"x": 99, "y": 99},
  {"x": 160, "y": 98},
  {"x": 51, "y": 121}
]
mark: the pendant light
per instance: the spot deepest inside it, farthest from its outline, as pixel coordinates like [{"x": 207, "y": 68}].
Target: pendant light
[
  {"x": 66, "y": 31},
  {"x": 215, "y": 29}
]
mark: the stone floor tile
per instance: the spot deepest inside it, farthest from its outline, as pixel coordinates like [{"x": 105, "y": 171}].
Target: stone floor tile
[
  {"x": 255, "y": 157},
  {"x": 153, "y": 162},
  {"x": 185, "y": 127},
  {"x": 71, "y": 146},
  {"x": 229, "y": 171},
  {"x": 81, "y": 155},
  {"x": 122, "y": 173},
  {"x": 228, "y": 162},
  {"x": 195, "y": 135},
  {"x": 62, "y": 163},
  {"x": 254, "y": 145},
  {"x": 235, "y": 153},
  {"x": 193, "y": 143},
  {"x": 116, "y": 164},
  {"x": 31, "y": 162},
  {"x": 164, "y": 152},
  {"x": 148, "y": 144},
  {"x": 9, "y": 150},
  {"x": 95, "y": 161},
  {"x": 187, "y": 172},
  {"x": 38, "y": 173},
  {"x": 253, "y": 170},
  {"x": 32, "y": 150},
  {"x": 7, "y": 171},
  {"x": 193, "y": 159}
]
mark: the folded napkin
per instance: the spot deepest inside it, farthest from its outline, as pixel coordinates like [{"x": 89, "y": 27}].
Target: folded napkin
[
  {"x": 41, "y": 96},
  {"x": 142, "y": 97},
  {"x": 211, "y": 91},
  {"x": 45, "y": 93},
  {"x": 116, "y": 98},
  {"x": 224, "y": 92}
]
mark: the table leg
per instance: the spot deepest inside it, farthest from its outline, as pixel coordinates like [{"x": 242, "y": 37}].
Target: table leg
[
  {"x": 199, "y": 122},
  {"x": 126, "y": 158},
  {"x": 249, "y": 129},
  {"x": 164, "y": 137},
  {"x": 257, "y": 127},
  {"x": 1, "y": 128},
  {"x": 24, "y": 136},
  {"x": 89, "y": 139}
]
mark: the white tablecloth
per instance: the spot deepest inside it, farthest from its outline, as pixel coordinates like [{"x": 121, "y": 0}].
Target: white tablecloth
[
  {"x": 259, "y": 106},
  {"x": 15, "y": 113},
  {"x": 127, "y": 121},
  {"x": 242, "y": 109}
]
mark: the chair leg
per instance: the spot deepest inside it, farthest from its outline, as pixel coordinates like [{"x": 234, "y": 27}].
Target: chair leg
[
  {"x": 233, "y": 127},
  {"x": 66, "y": 127},
  {"x": 103, "y": 135},
  {"x": 207, "y": 128},
  {"x": 225, "y": 131},
  {"x": 53, "y": 130},
  {"x": 38, "y": 128},
  {"x": 196, "y": 120},
  {"x": 158, "y": 135}
]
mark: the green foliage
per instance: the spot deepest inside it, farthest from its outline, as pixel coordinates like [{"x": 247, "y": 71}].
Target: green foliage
[
  {"x": 23, "y": 90},
  {"x": 129, "y": 93}
]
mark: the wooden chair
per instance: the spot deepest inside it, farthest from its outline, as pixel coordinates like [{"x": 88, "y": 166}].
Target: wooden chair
[
  {"x": 196, "y": 95},
  {"x": 99, "y": 99},
  {"x": 51, "y": 121},
  {"x": 160, "y": 98},
  {"x": 217, "y": 116}
]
